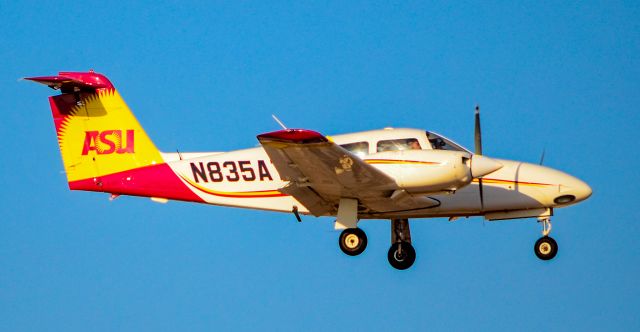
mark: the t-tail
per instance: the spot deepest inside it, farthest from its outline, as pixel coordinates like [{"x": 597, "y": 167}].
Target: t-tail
[{"x": 103, "y": 146}]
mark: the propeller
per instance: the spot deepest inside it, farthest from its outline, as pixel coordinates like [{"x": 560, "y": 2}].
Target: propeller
[
  {"x": 480, "y": 165},
  {"x": 478, "y": 144}
]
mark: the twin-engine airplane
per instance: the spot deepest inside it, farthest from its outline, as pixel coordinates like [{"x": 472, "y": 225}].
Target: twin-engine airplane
[{"x": 393, "y": 174}]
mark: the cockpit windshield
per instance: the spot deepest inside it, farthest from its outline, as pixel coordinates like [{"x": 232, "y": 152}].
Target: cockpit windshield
[{"x": 439, "y": 142}]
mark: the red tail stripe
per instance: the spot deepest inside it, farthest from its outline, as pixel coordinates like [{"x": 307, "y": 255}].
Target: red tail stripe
[{"x": 150, "y": 181}]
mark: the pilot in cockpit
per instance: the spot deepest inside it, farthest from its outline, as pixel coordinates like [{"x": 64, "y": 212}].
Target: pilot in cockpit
[
  {"x": 437, "y": 143},
  {"x": 442, "y": 143},
  {"x": 414, "y": 144}
]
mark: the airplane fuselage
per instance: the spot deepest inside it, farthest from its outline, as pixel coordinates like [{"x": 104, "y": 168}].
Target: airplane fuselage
[{"x": 248, "y": 179}]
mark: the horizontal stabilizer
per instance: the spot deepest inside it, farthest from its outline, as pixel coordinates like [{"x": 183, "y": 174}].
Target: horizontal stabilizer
[{"x": 74, "y": 81}]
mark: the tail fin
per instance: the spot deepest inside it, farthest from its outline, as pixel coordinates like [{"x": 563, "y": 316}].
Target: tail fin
[{"x": 97, "y": 133}]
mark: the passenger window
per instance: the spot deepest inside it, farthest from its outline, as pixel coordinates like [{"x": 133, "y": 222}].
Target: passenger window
[
  {"x": 360, "y": 149},
  {"x": 399, "y": 145}
]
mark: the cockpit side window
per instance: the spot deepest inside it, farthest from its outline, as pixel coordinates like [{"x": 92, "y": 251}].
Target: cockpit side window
[
  {"x": 360, "y": 149},
  {"x": 441, "y": 143},
  {"x": 399, "y": 145}
]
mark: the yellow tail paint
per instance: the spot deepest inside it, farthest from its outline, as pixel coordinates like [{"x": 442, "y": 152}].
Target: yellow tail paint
[{"x": 98, "y": 135}]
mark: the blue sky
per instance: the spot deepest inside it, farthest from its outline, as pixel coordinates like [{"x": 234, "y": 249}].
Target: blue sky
[{"x": 207, "y": 76}]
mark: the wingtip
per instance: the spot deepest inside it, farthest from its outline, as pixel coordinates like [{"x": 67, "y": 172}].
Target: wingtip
[{"x": 300, "y": 136}]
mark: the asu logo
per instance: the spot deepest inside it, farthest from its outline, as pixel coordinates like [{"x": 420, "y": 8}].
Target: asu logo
[{"x": 108, "y": 142}]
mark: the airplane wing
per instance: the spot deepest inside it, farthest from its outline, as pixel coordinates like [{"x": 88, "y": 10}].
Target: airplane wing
[{"x": 321, "y": 172}]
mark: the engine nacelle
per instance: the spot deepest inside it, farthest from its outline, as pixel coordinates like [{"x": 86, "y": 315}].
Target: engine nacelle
[{"x": 425, "y": 171}]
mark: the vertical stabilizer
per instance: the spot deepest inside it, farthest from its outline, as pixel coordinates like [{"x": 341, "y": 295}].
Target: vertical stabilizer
[{"x": 97, "y": 133}]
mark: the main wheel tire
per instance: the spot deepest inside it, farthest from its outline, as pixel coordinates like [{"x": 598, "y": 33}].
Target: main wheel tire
[
  {"x": 353, "y": 241},
  {"x": 401, "y": 255},
  {"x": 546, "y": 248}
]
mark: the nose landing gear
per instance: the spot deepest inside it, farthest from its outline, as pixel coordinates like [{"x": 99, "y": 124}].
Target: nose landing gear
[{"x": 546, "y": 247}]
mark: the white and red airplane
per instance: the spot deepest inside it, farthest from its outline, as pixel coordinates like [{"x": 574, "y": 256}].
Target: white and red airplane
[{"x": 393, "y": 174}]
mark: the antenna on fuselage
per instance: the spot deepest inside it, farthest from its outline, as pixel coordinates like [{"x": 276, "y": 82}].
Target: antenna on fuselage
[{"x": 279, "y": 122}]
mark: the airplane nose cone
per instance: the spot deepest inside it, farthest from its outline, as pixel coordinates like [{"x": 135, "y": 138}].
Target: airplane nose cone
[
  {"x": 578, "y": 188},
  {"x": 481, "y": 165},
  {"x": 572, "y": 190}
]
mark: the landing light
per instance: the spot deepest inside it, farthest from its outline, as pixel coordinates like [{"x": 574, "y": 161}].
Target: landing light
[{"x": 564, "y": 199}]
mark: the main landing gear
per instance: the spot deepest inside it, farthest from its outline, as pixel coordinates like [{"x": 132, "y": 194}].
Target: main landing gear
[
  {"x": 353, "y": 241},
  {"x": 401, "y": 255},
  {"x": 546, "y": 247}
]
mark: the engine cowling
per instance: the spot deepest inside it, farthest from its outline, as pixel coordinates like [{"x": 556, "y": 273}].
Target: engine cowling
[{"x": 429, "y": 171}]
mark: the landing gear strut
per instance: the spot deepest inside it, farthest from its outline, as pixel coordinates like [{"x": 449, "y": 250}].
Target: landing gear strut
[
  {"x": 546, "y": 247},
  {"x": 401, "y": 254},
  {"x": 353, "y": 241}
]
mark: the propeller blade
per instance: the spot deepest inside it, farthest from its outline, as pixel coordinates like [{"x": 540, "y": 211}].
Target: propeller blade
[
  {"x": 478, "y": 153},
  {"x": 481, "y": 194},
  {"x": 478, "y": 133}
]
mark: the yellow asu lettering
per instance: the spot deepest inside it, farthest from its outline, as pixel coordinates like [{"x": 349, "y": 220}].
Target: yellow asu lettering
[{"x": 108, "y": 142}]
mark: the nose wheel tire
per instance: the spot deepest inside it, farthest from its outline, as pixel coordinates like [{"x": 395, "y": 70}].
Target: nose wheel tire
[
  {"x": 401, "y": 255},
  {"x": 546, "y": 248},
  {"x": 353, "y": 241}
]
